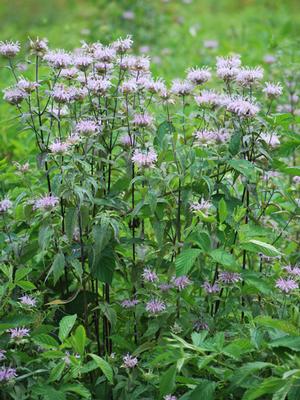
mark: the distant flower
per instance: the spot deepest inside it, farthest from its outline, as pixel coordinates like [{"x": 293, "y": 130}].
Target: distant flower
[
  {"x": 7, "y": 373},
  {"x": 126, "y": 140},
  {"x": 211, "y": 98},
  {"x": 69, "y": 73},
  {"x": 242, "y": 107},
  {"x": 198, "y": 76},
  {"x": 5, "y": 205},
  {"x": 229, "y": 277},
  {"x": 82, "y": 62},
  {"x": 200, "y": 325},
  {"x": 286, "y": 285},
  {"x": 270, "y": 138},
  {"x": 58, "y": 59},
  {"x": 28, "y": 301},
  {"x": 210, "y": 289},
  {"x": 164, "y": 287},
  {"x": 14, "y": 95},
  {"x": 74, "y": 138},
  {"x": 98, "y": 86},
  {"x": 247, "y": 77},
  {"x": 292, "y": 270},
  {"x": 228, "y": 67},
  {"x": 9, "y": 49},
  {"x": 272, "y": 90},
  {"x": 39, "y": 47},
  {"x": 155, "y": 306},
  {"x": 203, "y": 206},
  {"x": 18, "y": 333},
  {"x": 181, "y": 87},
  {"x": 205, "y": 137},
  {"x": 129, "y": 361},
  {"x": 129, "y": 86},
  {"x": 142, "y": 120},
  {"x": 23, "y": 168},
  {"x": 129, "y": 303},
  {"x": 122, "y": 45},
  {"x": 46, "y": 203},
  {"x": 59, "y": 147},
  {"x": 210, "y": 44},
  {"x": 170, "y": 397},
  {"x": 269, "y": 59},
  {"x": 270, "y": 174},
  {"x": 144, "y": 158},
  {"x": 296, "y": 179},
  {"x": 2, "y": 355},
  {"x": 149, "y": 276},
  {"x": 144, "y": 49},
  {"x": 181, "y": 282},
  {"x": 129, "y": 15},
  {"x": 26, "y": 85},
  {"x": 87, "y": 127}
]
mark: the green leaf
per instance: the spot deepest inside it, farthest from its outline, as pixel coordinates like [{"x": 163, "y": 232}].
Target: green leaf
[
  {"x": 257, "y": 246},
  {"x": 238, "y": 347},
  {"x": 185, "y": 261},
  {"x": 268, "y": 386},
  {"x": 26, "y": 285},
  {"x": 78, "y": 340},
  {"x": 57, "y": 267},
  {"x": 222, "y": 210},
  {"x": 103, "y": 265},
  {"x": 70, "y": 221},
  {"x": 291, "y": 342},
  {"x": 76, "y": 388},
  {"x": 167, "y": 381},
  {"x": 56, "y": 372},
  {"x": 224, "y": 258},
  {"x": 65, "y": 326},
  {"x": 235, "y": 143},
  {"x": 45, "y": 341},
  {"x": 205, "y": 390},
  {"x": 247, "y": 369},
  {"x": 104, "y": 366},
  {"x": 245, "y": 167},
  {"x": 269, "y": 322}
]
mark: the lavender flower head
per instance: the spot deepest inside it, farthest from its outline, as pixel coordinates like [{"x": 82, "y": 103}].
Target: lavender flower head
[
  {"x": 14, "y": 95},
  {"x": 46, "y": 203},
  {"x": 5, "y": 205},
  {"x": 211, "y": 289},
  {"x": 142, "y": 120},
  {"x": 26, "y": 85},
  {"x": 87, "y": 127},
  {"x": 18, "y": 333},
  {"x": 270, "y": 138},
  {"x": 247, "y": 77},
  {"x": 165, "y": 287},
  {"x": 129, "y": 303},
  {"x": 27, "y": 301},
  {"x": 198, "y": 76},
  {"x": 170, "y": 397},
  {"x": 58, "y": 59},
  {"x": 296, "y": 180},
  {"x": 129, "y": 361},
  {"x": 122, "y": 45},
  {"x": 272, "y": 90},
  {"x": 295, "y": 271},
  {"x": 7, "y": 374},
  {"x": 211, "y": 98},
  {"x": 126, "y": 141},
  {"x": 181, "y": 282},
  {"x": 149, "y": 276},
  {"x": 9, "y": 49},
  {"x": 242, "y": 107},
  {"x": 286, "y": 285},
  {"x": 146, "y": 158},
  {"x": 58, "y": 147},
  {"x": 203, "y": 206},
  {"x": 227, "y": 277},
  {"x": 181, "y": 87},
  {"x": 228, "y": 67},
  {"x": 2, "y": 355},
  {"x": 155, "y": 306}
]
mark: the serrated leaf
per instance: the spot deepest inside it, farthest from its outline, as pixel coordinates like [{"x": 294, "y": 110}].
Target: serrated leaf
[
  {"x": 45, "y": 341},
  {"x": 258, "y": 246},
  {"x": 104, "y": 366},
  {"x": 185, "y": 261},
  {"x": 222, "y": 257},
  {"x": 167, "y": 381},
  {"x": 65, "y": 326}
]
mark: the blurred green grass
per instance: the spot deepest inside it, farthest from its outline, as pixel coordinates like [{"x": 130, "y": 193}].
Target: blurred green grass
[{"x": 173, "y": 31}]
